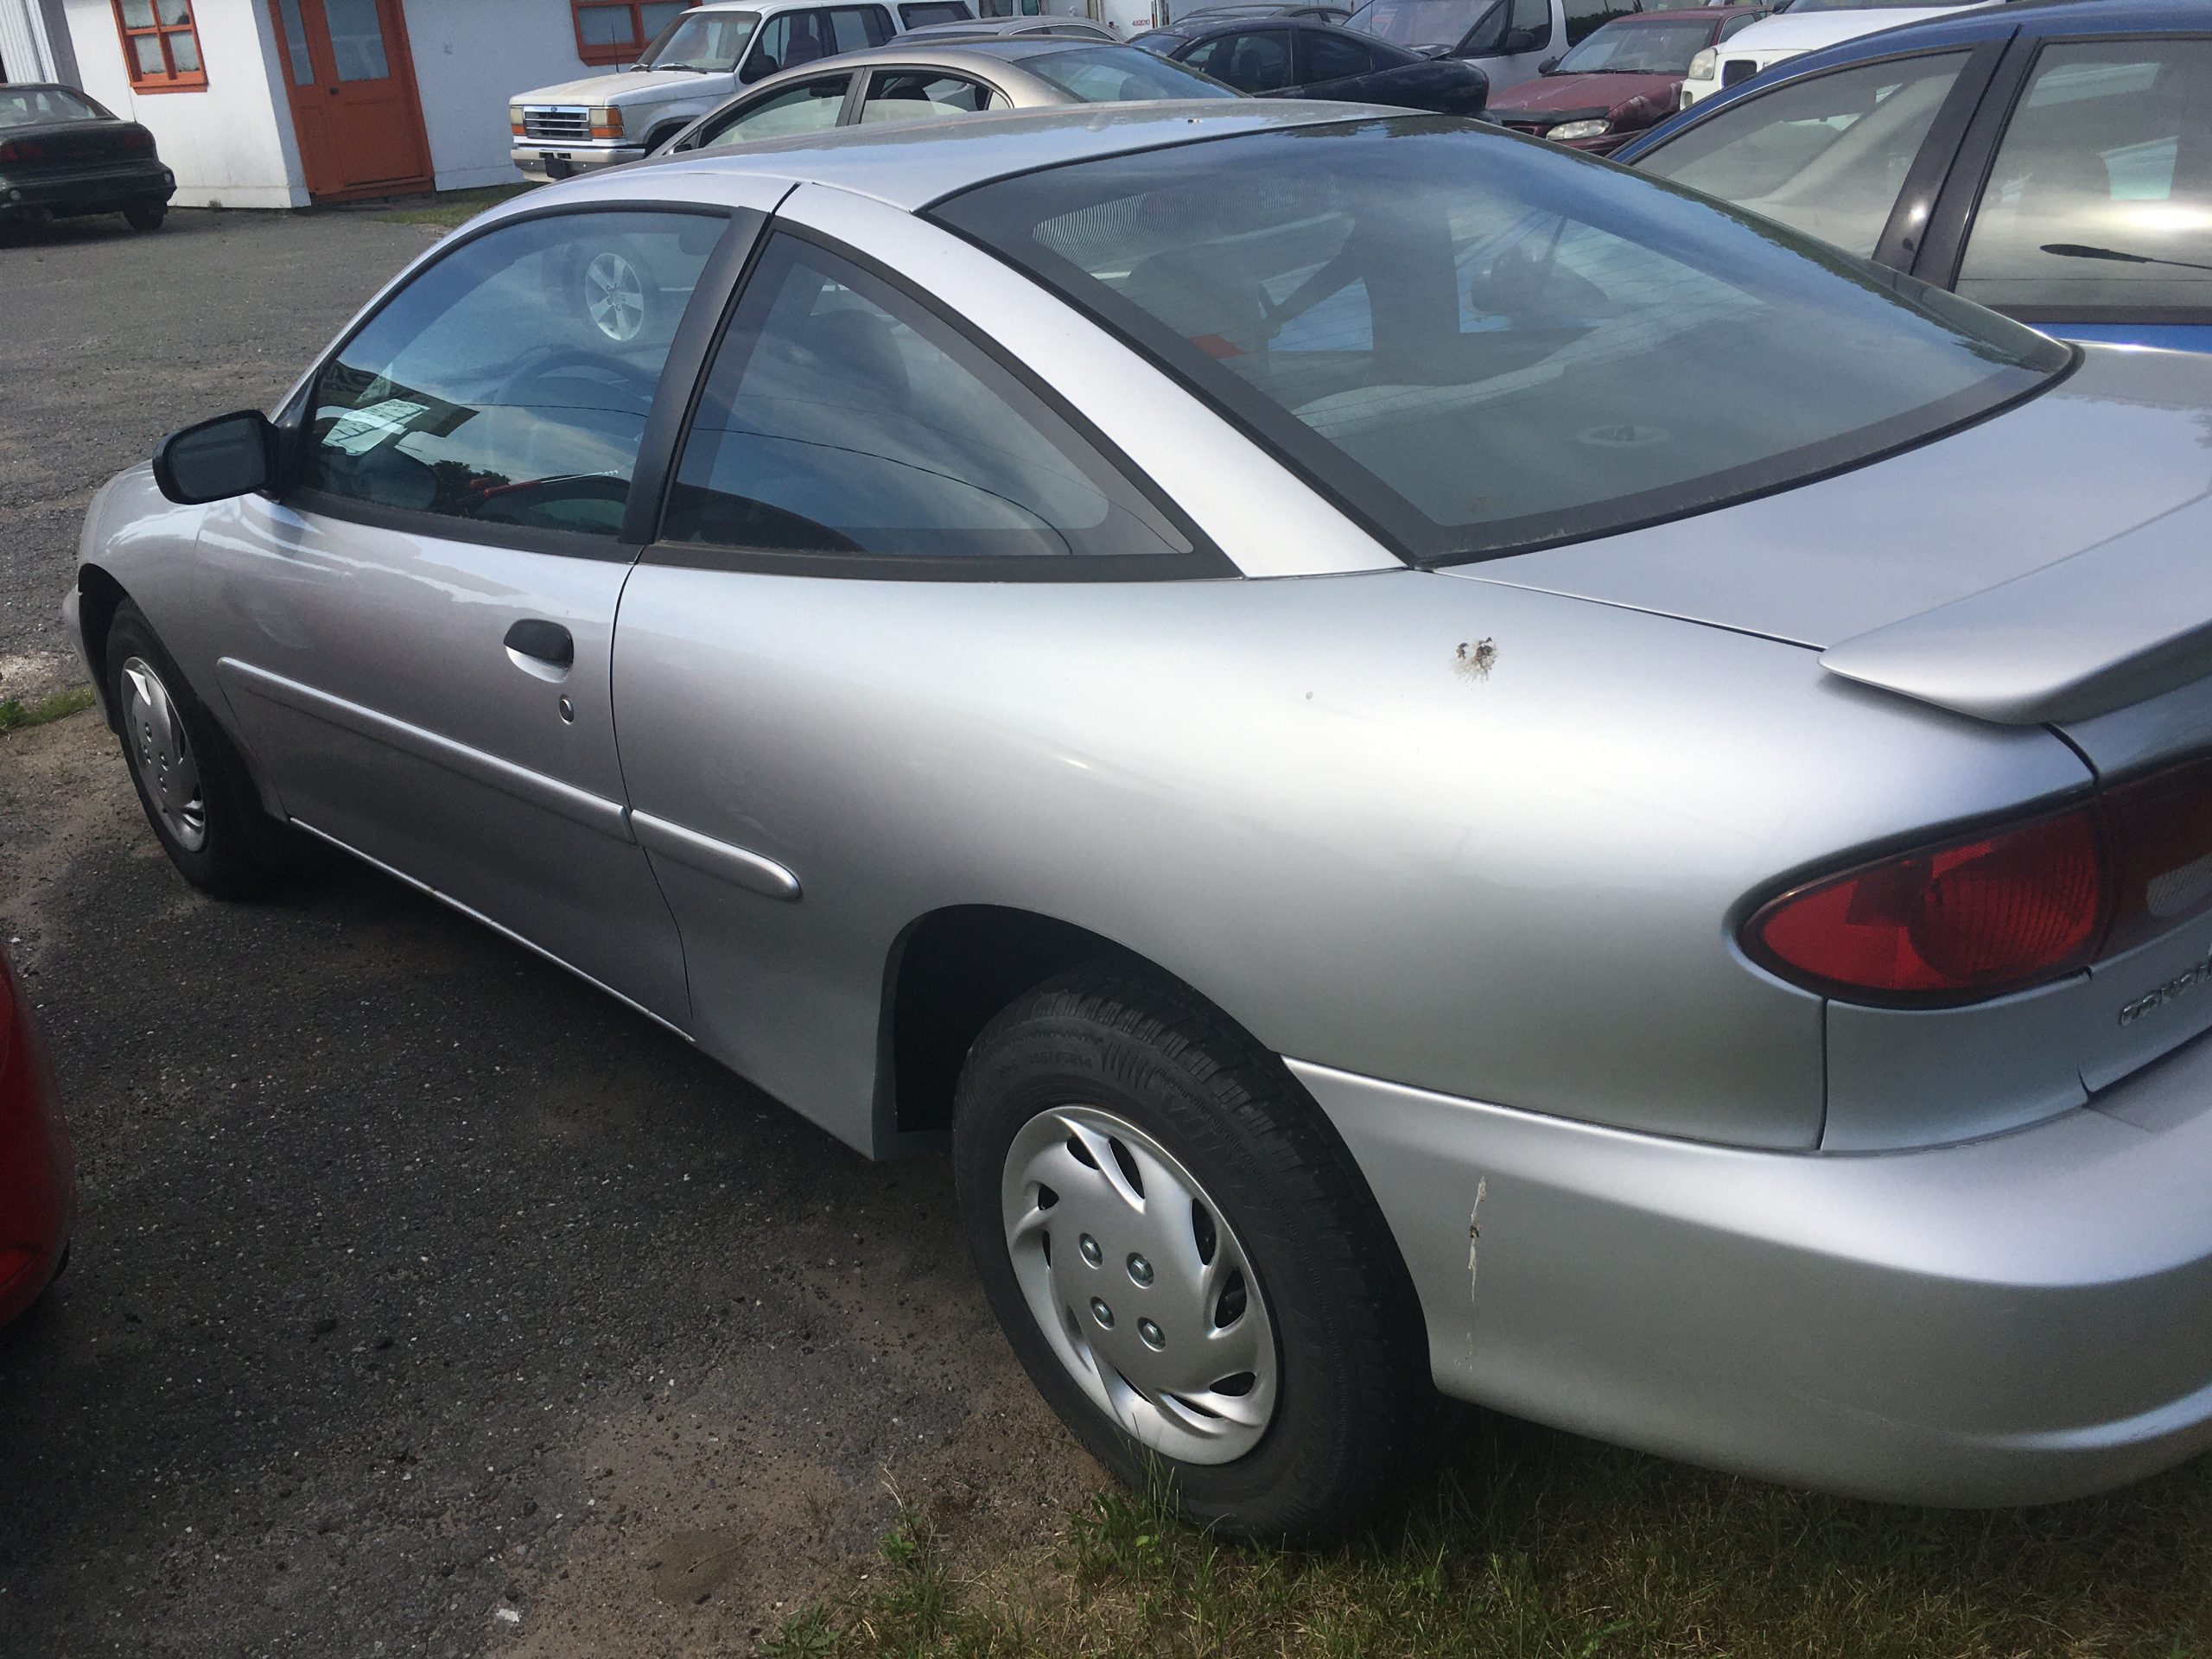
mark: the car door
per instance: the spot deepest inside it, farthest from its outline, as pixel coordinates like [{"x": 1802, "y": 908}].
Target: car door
[
  {"x": 812, "y": 106},
  {"x": 1853, "y": 155},
  {"x": 417, "y": 630},
  {"x": 864, "y": 484},
  {"x": 1514, "y": 38},
  {"x": 1256, "y": 61},
  {"x": 903, "y": 96},
  {"x": 2082, "y": 203}
]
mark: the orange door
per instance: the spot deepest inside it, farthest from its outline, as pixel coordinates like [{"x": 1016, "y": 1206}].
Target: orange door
[{"x": 354, "y": 105}]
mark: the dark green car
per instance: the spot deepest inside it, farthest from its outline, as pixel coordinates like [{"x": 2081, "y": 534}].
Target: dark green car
[{"x": 62, "y": 156}]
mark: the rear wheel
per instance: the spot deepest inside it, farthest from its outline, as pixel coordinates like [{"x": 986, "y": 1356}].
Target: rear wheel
[
  {"x": 1186, "y": 1259},
  {"x": 196, "y": 791},
  {"x": 149, "y": 218}
]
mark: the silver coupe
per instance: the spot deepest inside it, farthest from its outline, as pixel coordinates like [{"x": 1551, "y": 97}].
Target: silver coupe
[{"x": 1441, "y": 765}]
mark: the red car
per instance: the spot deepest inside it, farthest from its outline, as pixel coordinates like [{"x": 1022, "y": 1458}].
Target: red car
[
  {"x": 1617, "y": 79},
  {"x": 37, "y": 1191}
]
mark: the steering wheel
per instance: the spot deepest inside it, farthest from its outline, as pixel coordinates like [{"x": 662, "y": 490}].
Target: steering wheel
[{"x": 578, "y": 362}]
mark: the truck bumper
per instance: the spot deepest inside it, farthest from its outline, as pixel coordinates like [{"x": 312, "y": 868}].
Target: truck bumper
[
  {"x": 2014, "y": 1320},
  {"x": 544, "y": 164}
]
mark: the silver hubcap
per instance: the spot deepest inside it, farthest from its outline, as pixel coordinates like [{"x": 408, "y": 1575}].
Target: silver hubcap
[
  {"x": 163, "y": 754},
  {"x": 1139, "y": 1285},
  {"x": 615, "y": 295}
]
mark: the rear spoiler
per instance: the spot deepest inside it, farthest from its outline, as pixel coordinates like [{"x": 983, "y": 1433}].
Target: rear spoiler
[{"x": 2110, "y": 626}]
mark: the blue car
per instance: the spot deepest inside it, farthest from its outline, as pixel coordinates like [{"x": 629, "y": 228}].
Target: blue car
[{"x": 2051, "y": 160}]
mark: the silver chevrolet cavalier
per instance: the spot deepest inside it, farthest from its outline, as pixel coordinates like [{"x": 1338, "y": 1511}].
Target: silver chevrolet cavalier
[{"x": 1438, "y": 763}]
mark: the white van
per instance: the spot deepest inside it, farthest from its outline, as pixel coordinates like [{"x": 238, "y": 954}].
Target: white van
[{"x": 700, "y": 59}]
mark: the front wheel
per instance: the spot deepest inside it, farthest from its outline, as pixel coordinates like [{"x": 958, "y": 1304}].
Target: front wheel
[
  {"x": 196, "y": 791},
  {"x": 1186, "y": 1259}
]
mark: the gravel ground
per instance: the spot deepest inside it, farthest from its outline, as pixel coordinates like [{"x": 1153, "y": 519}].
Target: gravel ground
[{"x": 424, "y": 1301}]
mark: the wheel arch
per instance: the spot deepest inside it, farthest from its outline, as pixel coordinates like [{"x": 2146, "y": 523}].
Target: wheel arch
[
  {"x": 948, "y": 972},
  {"x": 100, "y": 595}
]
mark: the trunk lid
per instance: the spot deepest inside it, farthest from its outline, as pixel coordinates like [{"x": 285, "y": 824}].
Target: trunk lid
[{"x": 2045, "y": 565}]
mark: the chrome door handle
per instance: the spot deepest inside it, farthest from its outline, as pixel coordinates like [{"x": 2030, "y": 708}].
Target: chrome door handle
[{"x": 545, "y": 649}]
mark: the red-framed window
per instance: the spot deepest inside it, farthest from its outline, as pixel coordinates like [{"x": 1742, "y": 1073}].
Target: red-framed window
[
  {"x": 161, "y": 44},
  {"x": 615, "y": 31}
]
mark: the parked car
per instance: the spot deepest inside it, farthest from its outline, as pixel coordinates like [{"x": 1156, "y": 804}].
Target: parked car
[
  {"x": 905, "y": 83},
  {"x": 1395, "y": 854},
  {"x": 1007, "y": 28},
  {"x": 695, "y": 63},
  {"x": 1625, "y": 78},
  {"x": 1804, "y": 26},
  {"x": 37, "y": 1201},
  {"x": 1509, "y": 39},
  {"x": 2052, "y": 162},
  {"x": 63, "y": 156},
  {"x": 1300, "y": 57}
]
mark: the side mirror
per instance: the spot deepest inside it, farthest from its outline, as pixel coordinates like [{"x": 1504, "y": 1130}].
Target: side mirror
[
  {"x": 1548, "y": 66},
  {"x": 760, "y": 67},
  {"x": 230, "y": 455}
]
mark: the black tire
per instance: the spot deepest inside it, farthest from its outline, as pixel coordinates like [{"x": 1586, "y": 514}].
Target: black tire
[
  {"x": 149, "y": 218},
  {"x": 241, "y": 851},
  {"x": 1354, "y": 1395}
]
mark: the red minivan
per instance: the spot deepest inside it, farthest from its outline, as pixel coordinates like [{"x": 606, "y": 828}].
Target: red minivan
[{"x": 37, "y": 1190}]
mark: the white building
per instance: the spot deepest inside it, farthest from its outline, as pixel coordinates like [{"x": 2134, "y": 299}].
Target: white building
[{"x": 279, "y": 103}]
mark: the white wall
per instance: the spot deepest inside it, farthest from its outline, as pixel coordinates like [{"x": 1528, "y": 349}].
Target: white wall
[
  {"x": 230, "y": 143},
  {"x": 470, "y": 57}
]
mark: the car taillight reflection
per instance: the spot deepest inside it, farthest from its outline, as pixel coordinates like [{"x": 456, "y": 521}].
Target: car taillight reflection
[{"x": 2005, "y": 908}]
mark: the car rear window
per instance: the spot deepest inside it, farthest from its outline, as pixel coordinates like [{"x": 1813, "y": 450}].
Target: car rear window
[
  {"x": 26, "y": 106},
  {"x": 1484, "y": 344},
  {"x": 1121, "y": 74}
]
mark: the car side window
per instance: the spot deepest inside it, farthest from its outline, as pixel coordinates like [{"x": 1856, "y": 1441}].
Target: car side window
[
  {"x": 2100, "y": 192},
  {"x": 509, "y": 383},
  {"x": 1256, "y": 60},
  {"x": 842, "y": 416},
  {"x": 925, "y": 12},
  {"x": 855, "y": 28},
  {"x": 1735, "y": 26},
  {"x": 810, "y": 107},
  {"x": 1827, "y": 156},
  {"x": 788, "y": 39},
  {"x": 1332, "y": 57},
  {"x": 909, "y": 95}
]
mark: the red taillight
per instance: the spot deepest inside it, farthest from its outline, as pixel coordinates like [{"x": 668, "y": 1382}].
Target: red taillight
[
  {"x": 1969, "y": 919},
  {"x": 139, "y": 141},
  {"x": 2005, "y": 909},
  {"x": 22, "y": 150}
]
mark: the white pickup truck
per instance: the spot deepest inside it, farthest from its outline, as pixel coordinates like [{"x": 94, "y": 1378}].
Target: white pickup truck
[
  {"x": 1804, "y": 26},
  {"x": 700, "y": 59}
]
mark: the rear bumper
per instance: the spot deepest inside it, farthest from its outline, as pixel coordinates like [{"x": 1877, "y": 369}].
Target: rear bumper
[
  {"x": 2015, "y": 1320},
  {"x": 109, "y": 189},
  {"x": 545, "y": 163},
  {"x": 37, "y": 1196}
]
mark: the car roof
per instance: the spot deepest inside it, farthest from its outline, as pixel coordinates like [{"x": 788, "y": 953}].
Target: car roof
[
  {"x": 1204, "y": 25},
  {"x": 910, "y": 167},
  {"x": 1682, "y": 14},
  {"x": 2036, "y": 18}
]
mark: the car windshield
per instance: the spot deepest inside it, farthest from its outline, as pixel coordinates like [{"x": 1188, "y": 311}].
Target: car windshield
[
  {"x": 27, "y": 106},
  {"x": 1419, "y": 22},
  {"x": 709, "y": 41},
  {"x": 1121, "y": 74},
  {"x": 1483, "y": 345},
  {"x": 1627, "y": 46}
]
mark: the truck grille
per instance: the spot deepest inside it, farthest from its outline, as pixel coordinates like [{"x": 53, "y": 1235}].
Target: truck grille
[{"x": 563, "y": 125}]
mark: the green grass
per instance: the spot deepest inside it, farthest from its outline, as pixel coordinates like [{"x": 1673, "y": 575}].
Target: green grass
[
  {"x": 15, "y": 715},
  {"x": 1528, "y": 1545},
  {"x": 454, "y": 208}
]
